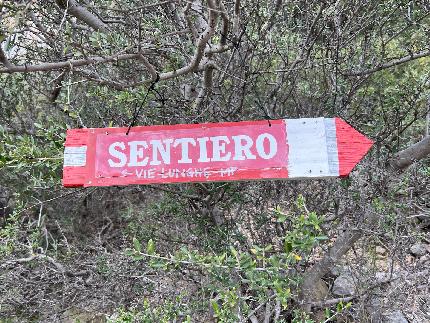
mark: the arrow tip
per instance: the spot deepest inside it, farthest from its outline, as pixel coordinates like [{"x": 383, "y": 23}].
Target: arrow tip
[{"x": 352, "y": 146}]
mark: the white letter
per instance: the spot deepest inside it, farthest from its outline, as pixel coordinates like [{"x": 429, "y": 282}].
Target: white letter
[
  {"x": 218, "y": 148},
  {"x": 164, "y": 151},
  {"x": 117, "y": 154},
  {"x": 241, "y": 149},
  {"x": 184, "y": 142},
  {"x": 203, "y": 151},
  {"x": 136, "y": 151},
  {"x": 273, "y": 146}
]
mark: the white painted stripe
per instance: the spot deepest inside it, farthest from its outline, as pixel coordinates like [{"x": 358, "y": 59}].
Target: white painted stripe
[
  {"x": 331, "y": 141},
  {"x": 75, "y": 156},
  {"x": 311, "y": 152}
]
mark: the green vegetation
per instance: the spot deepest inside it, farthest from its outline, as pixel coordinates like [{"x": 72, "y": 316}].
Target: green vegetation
[{"x": 354, "y": 249}]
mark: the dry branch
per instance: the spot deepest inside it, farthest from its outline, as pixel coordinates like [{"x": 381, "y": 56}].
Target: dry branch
[
  {"x": 391, "y": 63},
  {"x": 68, "y": 64},
  {"x": 340, "y": 247},
  {"x": 206, "y": 86},
  {"x": 412, "y": 154},
  {"x": 201, "y": 44},
  {"x": 225, "y": 24},
  {"x": 4, "y": 59},
  {"x": 82, "y": 14}
]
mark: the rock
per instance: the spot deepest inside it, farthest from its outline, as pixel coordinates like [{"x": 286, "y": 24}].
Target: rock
[
  {"x": 380, "y": 250},
  {"x": 383, "y": 277},
  {"x": 394, "y": 317},
  {"x": 343, "y": 286},
  {"x": 339, "y": 270},
  {"x": 74, "y": 314},
  {"x": 418, "y": 249},
  {"x": 424, "y": 259},
  {"x": 373, "y": 308},
  {"x": 319, "y": 293},
  {"x": 382, "y": 264}
]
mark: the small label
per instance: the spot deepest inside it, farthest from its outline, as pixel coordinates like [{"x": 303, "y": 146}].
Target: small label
[{"x": 75, "y": 156}]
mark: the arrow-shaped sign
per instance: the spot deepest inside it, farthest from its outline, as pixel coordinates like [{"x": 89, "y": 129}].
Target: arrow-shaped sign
[{"x": 249, "y": 150}]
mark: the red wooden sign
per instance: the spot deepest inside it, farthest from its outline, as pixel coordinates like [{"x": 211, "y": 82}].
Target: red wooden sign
[{"x": 249, "y": 150}]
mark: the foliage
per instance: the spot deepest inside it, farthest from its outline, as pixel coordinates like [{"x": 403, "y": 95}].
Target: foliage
[
  {"x": 267, "y": 272},
  {"x": 280, "y": 59}
]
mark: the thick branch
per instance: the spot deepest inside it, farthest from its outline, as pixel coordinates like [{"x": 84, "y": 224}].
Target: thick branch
[
  {"x": 391, "y": 63},
  {"x": 150, "y": 67},
  {"x": 206, "y": 86},
  {"x": 69, "y": 64},
  {"x": 201, "y": 45},
  {"x": 189, "y": 21},
  {"x": 4, "y": 59},
  {"x": 122, "y": 86},
  {"x": 225, "y": 23},
  {"x": 82, "y": 14},
  {"x": 341, "y": 246},
  {"x": 412, "y": 154}
]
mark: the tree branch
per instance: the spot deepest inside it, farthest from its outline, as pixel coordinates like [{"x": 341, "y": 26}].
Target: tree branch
[
  {"x": 411, "y": 154},
  {"x": 82, "y": 14},
  {"x": 225, "y": 25},
  {"x": 391, "y": 63},
  {"x": 150, "y": 67},
  {"x": 68, "y": 64},
  {"x": 333, "y": 301},
  {"x": 201, "y": 45},
  {"x": 340, "y": 247},
  {"x": 4, "y": 59},
  {"x": 206, "y": 86}
]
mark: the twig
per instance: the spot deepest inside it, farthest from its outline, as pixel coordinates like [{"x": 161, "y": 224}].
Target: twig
[
  {"x": 255, "y": 310},
  {"x": 395, "y": 62},
  {"x": 333, "y": 301},
  {"x": 51, "y": 66},
  {"x": 201, "y": 44}
]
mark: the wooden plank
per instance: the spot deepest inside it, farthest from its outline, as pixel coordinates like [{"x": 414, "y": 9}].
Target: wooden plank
[{"x": 248, "y": 150}]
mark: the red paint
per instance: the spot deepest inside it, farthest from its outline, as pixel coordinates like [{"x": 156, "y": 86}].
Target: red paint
[
  {"x": 75, "y": 176},
  {"x": 351, "y": 146},
  {"x": 98, "y": 172},
  {"x": 267, "y": 164}
]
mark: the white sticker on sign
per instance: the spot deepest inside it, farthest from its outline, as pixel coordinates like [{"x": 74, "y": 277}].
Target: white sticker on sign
[{"x": 75, "y": 156}]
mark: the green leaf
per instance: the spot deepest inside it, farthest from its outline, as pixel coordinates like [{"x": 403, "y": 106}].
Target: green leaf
[
  {"x": 288, "y": 247},
  {"x": 233, "y": 251},
  {"x": 339, "y": 307},
  {"x": 281, "y": 218},
  {"x": 319, "y": 238},
  {"x": 327, "y": 313},
  {"x": 215, "y": 307},
  {"x": 137, "y": 245},
  {"x": 150, "y": 247}
]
